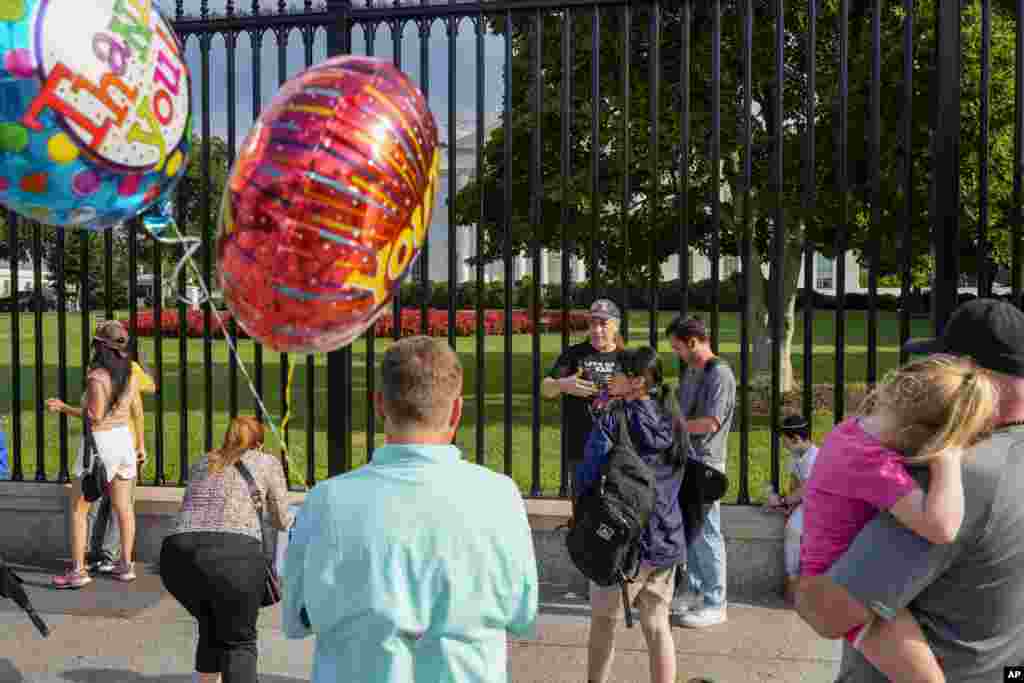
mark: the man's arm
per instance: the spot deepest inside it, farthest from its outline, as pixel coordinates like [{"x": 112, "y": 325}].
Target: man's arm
[
  {"x": 720, "y": 386},
  {"x": 701, "y": 425},
  {"x": 293, "y": 577},
  {"x": 562, "y": 379},
  {"x": 885, "y": 568}
]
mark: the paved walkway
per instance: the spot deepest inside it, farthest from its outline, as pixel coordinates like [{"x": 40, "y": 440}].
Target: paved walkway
[{"x": 112, "y": 633}]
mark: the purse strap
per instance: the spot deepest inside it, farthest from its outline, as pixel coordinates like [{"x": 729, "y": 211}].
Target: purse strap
[
  {"x": 90, "y": 443},
  {"x": 255, "y": 497}
]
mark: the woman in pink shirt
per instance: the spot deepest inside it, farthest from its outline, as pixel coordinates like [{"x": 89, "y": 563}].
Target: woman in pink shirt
[{"x": 929, "y": 411}]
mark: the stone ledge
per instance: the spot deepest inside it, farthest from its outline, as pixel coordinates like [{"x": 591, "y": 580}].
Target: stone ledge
[
  {"x": 31, "y": 496},
  {"x": 33, "y": 524}
]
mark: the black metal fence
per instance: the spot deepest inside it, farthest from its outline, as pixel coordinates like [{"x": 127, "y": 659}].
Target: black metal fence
[{"x": 771, "y": 132}]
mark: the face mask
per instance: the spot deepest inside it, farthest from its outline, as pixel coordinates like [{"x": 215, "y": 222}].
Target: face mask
[{"x": 798, "y": 449}]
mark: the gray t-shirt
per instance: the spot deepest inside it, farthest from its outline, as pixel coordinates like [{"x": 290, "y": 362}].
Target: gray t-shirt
[
  {"x": 709, "y": 392},
  {"x": 968, "y": 596}
]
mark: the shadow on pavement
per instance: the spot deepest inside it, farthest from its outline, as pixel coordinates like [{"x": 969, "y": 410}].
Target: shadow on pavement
[
  {"x": 104, "y": 597},
  {"x": 121, "y": 676},
  {"x": 9, "y": 673}
]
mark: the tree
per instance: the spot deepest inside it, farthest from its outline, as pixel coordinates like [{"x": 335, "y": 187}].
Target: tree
[
  {"x": 811, "y": 203},
  {"x": 189, "y": 208}
]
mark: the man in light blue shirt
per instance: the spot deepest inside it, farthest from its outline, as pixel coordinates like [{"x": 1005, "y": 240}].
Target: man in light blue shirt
[{"x": 413, "y": 567}]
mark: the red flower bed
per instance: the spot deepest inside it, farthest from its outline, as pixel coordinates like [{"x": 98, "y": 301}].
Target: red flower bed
[
  {"x": 437, "y": 322},
  {"x": 146, "y": 323},
  {"x": 465, "y": 322},
  {"x": 579, "y": 321}
]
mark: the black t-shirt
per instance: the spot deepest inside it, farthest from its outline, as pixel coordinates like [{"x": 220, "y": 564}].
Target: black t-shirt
[{"x": 596, "y": 366}]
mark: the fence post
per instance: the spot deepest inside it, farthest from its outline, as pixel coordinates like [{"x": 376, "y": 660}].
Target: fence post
[
  {"x": 339, "y": 363},
  {"x": 946, "y": 141}
]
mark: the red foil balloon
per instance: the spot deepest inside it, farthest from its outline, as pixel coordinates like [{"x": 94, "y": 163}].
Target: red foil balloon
[{"x": 328, "y": 205}]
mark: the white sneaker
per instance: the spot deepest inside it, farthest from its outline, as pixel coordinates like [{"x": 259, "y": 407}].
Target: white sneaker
[
  {"x": 686, "y": 602},
  {"x": 704, "y": 617}
]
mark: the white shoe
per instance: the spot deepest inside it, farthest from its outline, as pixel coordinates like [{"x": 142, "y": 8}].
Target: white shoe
[
  {"x": 686, "y": 602},
  {"x": 704, "y": 617}
]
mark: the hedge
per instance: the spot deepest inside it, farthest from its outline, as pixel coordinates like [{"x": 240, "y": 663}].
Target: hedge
[{"x": 437, "y": 322}]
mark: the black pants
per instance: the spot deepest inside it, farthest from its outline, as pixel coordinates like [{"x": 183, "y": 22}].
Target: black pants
[{"x": 219, "y": 579}]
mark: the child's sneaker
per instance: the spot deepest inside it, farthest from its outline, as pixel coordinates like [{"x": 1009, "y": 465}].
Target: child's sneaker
[
  {"x": 124, "y": 571},
  {"x": 72, "y": 578}
]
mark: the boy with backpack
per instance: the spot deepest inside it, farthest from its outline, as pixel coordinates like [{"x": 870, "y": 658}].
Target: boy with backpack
[{"x": 629, "y": 535}]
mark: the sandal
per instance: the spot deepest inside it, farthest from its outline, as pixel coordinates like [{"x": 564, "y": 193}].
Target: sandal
[
  {"x": 73, "y": 579},
  {"x": 125, "y": 571}
]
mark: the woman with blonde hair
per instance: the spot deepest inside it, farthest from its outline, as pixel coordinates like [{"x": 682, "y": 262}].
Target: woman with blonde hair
[
  {"x": 212, "y": 562},
  {"x": 110, "y": 405},
  {"x": 926, "y": 413}
]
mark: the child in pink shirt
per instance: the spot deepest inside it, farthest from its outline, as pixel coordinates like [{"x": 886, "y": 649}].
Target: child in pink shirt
[{"x": 929, "y": 411}]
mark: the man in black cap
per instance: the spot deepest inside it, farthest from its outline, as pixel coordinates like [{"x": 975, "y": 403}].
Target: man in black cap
[
  {"x": 968, "y": 596},
  {"x": 581, "y": 373}
]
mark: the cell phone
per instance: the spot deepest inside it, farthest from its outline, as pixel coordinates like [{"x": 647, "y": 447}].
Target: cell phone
[{"x": 304, "y": 617}]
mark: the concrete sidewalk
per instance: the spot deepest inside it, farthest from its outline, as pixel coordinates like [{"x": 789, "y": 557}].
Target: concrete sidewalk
[{"x": 114, "y": 633}]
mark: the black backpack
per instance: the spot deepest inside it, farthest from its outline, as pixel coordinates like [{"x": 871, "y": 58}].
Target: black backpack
[{"x": 604, "y": 538}]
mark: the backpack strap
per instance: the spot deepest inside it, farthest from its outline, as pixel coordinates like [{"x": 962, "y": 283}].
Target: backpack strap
[{"x": 623, "y": 420}]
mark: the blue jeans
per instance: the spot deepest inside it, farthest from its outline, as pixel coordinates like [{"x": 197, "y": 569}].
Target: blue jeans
[
  {"x": 705, "y": 559},
  {"x": 103, "y": 533}
]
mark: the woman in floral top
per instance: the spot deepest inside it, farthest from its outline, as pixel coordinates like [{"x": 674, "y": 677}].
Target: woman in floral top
[{"x": 212, "y": 562}]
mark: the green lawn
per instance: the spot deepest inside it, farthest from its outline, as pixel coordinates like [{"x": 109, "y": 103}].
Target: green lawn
[{"x": 38, "y": 383}]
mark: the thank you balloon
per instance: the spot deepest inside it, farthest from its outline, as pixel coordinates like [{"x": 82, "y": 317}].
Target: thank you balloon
[
  {"x": 328, "y": 204},
  {"x": 95, "y": 112}
]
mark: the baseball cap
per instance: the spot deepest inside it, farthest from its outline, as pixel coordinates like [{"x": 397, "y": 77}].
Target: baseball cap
[
  {"x": 989, "y": 331},
  {"x": 691, "y": 328},
  {"x": 793, "y": 423},
  {"x": 112, "y": 334},
  {"x": 605, "y": 309}
]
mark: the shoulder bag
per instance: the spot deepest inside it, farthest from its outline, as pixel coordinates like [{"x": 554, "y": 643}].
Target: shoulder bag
[
  {"x": 272, "y": 588},
  {"x": 95, "y": 483}
]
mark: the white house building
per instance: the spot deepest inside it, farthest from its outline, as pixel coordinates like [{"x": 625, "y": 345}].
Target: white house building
[{"x": 24, "y": 279}]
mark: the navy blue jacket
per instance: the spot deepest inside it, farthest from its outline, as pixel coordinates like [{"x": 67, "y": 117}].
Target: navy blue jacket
[{"x": 663, "y": 543}]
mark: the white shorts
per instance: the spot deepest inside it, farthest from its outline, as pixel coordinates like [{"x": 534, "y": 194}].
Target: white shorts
[
  {"x": 791, "y": 541},
  {"x": 117, "y": 451}
]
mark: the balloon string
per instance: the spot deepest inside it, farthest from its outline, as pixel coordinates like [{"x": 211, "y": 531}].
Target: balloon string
[
  {"x": 288, "y": 398},
  {"x": 191, "y": 244}
]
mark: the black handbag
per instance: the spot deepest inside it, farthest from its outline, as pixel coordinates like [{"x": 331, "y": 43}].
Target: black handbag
[
  {"x": 702, "y": 486},
  {"x": 709, "y": 482},
  {"x": 95, "y": 483},
  {"x": 272, "y": 587}
]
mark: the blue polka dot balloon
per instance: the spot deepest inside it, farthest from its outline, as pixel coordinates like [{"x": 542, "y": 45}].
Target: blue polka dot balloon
[{"x": 95, "y": 110}]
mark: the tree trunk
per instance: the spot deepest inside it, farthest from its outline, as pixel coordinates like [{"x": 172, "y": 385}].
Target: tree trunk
[{"x": 761, "y": 306}]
